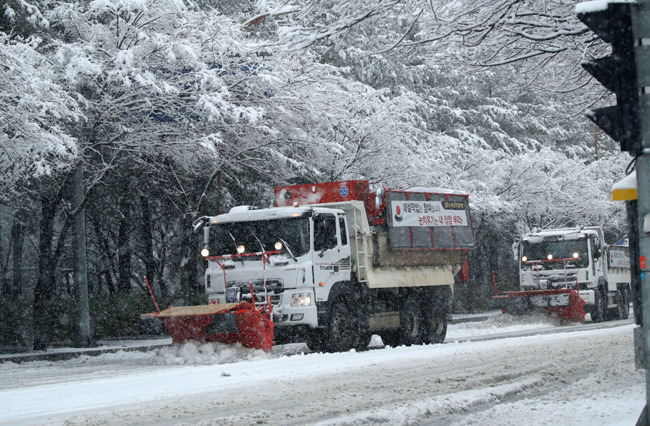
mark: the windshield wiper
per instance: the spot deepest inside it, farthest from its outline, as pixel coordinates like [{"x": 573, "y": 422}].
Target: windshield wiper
[
  {"x": 288, "y": 249},
  {"x": 235, "y": 242},
  {"x": 258, "y": 240}
]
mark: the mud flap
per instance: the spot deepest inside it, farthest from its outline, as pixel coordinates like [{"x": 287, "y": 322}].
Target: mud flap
[{"x": 224, "y": 323}]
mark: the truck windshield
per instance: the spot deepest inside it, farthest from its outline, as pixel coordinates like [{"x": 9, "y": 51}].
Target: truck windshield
[
  {"x": 262, "y": 235},
  {"x": 553, "y": 250}
]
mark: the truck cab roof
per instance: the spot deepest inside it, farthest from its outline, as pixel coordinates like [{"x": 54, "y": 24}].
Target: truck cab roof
[
  {"x": 564, "y": 233},
  {"x": 248, "y": 213}
]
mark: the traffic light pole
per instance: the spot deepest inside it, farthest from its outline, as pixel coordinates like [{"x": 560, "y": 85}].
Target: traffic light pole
[
  {"x": 643, "y": 217},
  {"x": 641, "y": 30},
  {"x": 625, "y": 26}
]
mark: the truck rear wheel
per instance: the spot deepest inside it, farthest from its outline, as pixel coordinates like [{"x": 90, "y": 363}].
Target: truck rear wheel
[
  {"x": 364, "y": 341},
  {"x": 436, "y": 308},
  {"x": 623, "y": 303},
  {"x": 392, "y": 338},
  {"x": 412, "y": 324},
  {"x": 436, "y": 327}
]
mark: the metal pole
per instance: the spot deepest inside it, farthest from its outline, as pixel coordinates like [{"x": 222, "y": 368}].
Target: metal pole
[
  {"x": 643, "y": 215},
  {"x": 641, "y": 30}
]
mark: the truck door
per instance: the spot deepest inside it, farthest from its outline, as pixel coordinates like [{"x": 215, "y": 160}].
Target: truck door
[
  {"x": 595, "y": 258},
  {"x": 331, "y": 253}
]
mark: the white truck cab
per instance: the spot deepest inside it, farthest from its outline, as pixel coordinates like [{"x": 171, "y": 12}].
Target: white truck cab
[
  {"x": 299, "y": 252},
  {"x": 577, "y": 258}
]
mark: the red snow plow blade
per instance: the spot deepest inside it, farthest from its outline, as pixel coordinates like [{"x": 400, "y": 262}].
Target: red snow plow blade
[
  {"x": 566, "y": 302},
  {"x": 223, "y": 323}
]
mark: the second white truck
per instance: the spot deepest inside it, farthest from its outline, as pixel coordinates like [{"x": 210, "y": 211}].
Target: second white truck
[{"x": 573, "y": 272}]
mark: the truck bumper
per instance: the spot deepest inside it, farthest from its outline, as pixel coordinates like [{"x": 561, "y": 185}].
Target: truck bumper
[
  {"x": 588, "y": 296},
  {"x": 287, "y": 315}
]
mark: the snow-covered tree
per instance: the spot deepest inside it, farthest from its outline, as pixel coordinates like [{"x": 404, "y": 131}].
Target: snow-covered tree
[
  {"x": 179, "y": 108},
  {"x": 34, "y": 113}
]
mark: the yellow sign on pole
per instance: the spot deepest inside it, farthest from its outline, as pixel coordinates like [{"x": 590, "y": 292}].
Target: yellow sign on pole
[{"x": 625, "y": 189}]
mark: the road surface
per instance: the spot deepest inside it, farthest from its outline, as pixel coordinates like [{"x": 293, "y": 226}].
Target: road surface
[{"x": 553, "y": 375}]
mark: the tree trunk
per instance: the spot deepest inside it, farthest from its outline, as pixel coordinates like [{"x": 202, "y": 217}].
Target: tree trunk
[
  {"x": 147, "y": 245},
  {"x": 105, "y": 248},
  {"x": 191, "y": 288},
  {"x": 124, "y": 244},
  {"x": 17, "y": 243},
  {"x": 45, "y": 285}
]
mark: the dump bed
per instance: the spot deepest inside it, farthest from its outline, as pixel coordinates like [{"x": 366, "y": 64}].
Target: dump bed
[
  {"x": 418, "y": 218},
  {"x": 428, "y": 219},
  {"x": 400, "y": 238},
  {"x": 618, "y": 262}
]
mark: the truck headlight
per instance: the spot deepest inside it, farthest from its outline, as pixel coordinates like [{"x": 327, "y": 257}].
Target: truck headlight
[{"x": 301, "y": 299}]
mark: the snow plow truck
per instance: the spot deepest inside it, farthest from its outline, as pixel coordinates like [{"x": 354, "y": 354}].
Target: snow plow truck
[
  {"x": 330, "y": 265},
  {"x": 571, "y": 272}
]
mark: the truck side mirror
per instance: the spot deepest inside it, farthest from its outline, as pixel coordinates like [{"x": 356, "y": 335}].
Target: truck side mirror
[
  {"x": 206, "y": 235},
  {"x": 515, "y": 251},
  {"x": 198, "y": 223}
]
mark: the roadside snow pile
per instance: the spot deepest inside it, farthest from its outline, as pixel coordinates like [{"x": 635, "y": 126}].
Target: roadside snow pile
[
  {"x": 500, "y": 324},
  {"x": 194, "y": 353}
]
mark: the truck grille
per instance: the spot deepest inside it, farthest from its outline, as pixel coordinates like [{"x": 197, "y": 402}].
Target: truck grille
[
  {"x": 237, "y": 291},
  {"x": 556, "y": 281}
]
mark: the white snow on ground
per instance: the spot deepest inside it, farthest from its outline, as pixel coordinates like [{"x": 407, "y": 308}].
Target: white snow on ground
[
  {"x": 501, "y": 324},
  {"x": 585, "y": 376}
]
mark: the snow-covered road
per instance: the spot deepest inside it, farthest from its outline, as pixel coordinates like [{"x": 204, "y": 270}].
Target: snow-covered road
[{"x": 584, "y": 376}]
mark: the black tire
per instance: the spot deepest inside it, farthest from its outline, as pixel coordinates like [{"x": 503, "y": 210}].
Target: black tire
[
  {"x": 600, "y": 307},
  {"x": 364, "y": 341},
  {"x": 343, "y": 332},
  {"x": 316, "y": 340},
  {"x": 623, "y": 303},
  {"x": 392, "y": 338},
  {"x": 436, "y": 327},
  {"x": 412, "y": 323},
  {"x": 436, "y": 315}
]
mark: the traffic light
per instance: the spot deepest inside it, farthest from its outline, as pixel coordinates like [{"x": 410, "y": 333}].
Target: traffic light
[{"x": 617, "y": 72}]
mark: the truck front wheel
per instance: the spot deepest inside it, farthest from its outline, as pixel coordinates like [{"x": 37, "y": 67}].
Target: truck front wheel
[
  {"x": 600, "y": 306},
  {"x": 343, "y": 328}
]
